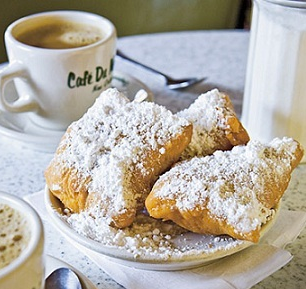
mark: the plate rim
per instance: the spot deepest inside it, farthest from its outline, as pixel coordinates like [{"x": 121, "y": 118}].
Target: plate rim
[{"x": 126, "y": 258}]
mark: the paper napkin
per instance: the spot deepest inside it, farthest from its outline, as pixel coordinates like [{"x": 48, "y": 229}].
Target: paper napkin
[{"x": 238, "y": 271}]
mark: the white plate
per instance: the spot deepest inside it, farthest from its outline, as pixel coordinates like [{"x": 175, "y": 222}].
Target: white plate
[
  {"x": 19, "y": 127},
  {"x": 53, "y": 263},
  {"x": 201, "y": 249}
]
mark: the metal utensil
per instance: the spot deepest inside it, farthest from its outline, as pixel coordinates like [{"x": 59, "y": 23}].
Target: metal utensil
[
  {"x": 63, "y": 278},
  {"x": 170, "y": 82}
]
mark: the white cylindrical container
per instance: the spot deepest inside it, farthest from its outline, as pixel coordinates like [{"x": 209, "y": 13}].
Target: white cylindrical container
[{"x": 275, "y": 90}]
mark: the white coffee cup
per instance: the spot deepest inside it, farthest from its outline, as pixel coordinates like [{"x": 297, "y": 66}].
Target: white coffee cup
[
  {"x": 55, "y": 82},
  {"x": 25, "y": 270}
]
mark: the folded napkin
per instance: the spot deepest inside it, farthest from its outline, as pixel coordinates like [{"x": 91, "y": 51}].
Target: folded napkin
[{"x": 241, "y": 270}]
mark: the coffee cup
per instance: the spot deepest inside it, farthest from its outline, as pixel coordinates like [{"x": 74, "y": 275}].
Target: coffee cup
[
  {"x": 60, "y": 61},
  {"x": 22, "y": 258}
]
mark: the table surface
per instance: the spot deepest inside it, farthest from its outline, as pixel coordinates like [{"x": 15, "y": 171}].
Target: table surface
[{"x": 221, "y": 56}]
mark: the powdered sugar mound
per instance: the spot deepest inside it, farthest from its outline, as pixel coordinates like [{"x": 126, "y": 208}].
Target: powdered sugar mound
[
  {"x": 231, "y": 184},
  {"x": 208, "y": 114},
  {"x": 111, "y": 139}
]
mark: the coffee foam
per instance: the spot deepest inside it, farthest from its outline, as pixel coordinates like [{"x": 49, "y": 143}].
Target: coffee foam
[
  {"x": 14, "y": 234},
  {"x": 80, "y": 38},
  {"x": 61, "y": 35}
]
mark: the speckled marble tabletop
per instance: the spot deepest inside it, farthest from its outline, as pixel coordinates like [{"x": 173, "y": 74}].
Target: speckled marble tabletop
[{"x": 218, "y": 55}]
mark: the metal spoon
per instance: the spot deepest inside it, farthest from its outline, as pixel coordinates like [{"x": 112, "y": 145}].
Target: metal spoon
[
  {"x": 63, "y": 278},
  {"x": 170, "y": 82}
]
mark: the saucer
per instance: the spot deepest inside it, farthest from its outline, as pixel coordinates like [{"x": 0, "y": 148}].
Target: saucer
[
  {"x": 19, "y": 127},
  {"x": 53, "y": 263}
]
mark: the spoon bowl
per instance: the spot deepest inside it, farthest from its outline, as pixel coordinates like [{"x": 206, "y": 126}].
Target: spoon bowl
[{"x": 63, "y": 278}]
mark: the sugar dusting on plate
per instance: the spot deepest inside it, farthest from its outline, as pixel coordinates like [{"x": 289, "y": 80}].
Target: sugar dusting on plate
[{"x": 149, "y": 238}]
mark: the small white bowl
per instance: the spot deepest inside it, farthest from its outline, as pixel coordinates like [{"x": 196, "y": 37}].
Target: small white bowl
[{"x": 28, "y": 269}]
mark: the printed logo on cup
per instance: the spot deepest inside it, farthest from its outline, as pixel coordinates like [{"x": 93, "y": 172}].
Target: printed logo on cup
[{"x": 100, "y": 78}]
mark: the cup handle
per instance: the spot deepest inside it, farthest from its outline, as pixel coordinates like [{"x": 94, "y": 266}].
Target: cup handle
[{"x": 21, "y": 104}]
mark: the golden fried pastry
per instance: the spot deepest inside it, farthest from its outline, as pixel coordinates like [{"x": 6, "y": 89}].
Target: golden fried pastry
[
  {"x": 229, "y": 192},
  {"x": 108, "y": 160},
  {"x": 215, "y": 125}
]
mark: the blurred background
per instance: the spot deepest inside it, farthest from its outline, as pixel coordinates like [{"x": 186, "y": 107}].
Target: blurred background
[{"x": 133, "y": 17}]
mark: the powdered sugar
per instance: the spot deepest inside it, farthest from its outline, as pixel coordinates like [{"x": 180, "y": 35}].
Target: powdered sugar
[
  {"x": 208, "y": 114},
  {"x": 230, "y": 184},
  {"x": 231, "y": 195},
  {"x": 111, "y": 139},
  {"x": 106, "y": 142},
  {"x": 148, "y": 238}
]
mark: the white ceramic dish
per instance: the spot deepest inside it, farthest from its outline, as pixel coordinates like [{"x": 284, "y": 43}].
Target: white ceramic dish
[
  {"x": 199, "y": 252},
  {"x": 53, "y": 263},
  {"x": 19, "y": 127}
]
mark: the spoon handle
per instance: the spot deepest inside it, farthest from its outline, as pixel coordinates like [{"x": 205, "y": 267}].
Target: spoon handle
[{"x": 122, "y": 55}]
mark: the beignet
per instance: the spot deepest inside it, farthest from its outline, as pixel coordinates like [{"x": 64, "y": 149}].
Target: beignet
[
  {"x": 229, "y": 192},
  {"x": 108, "y": 160},
  {"x": 215, "y": 125}
]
